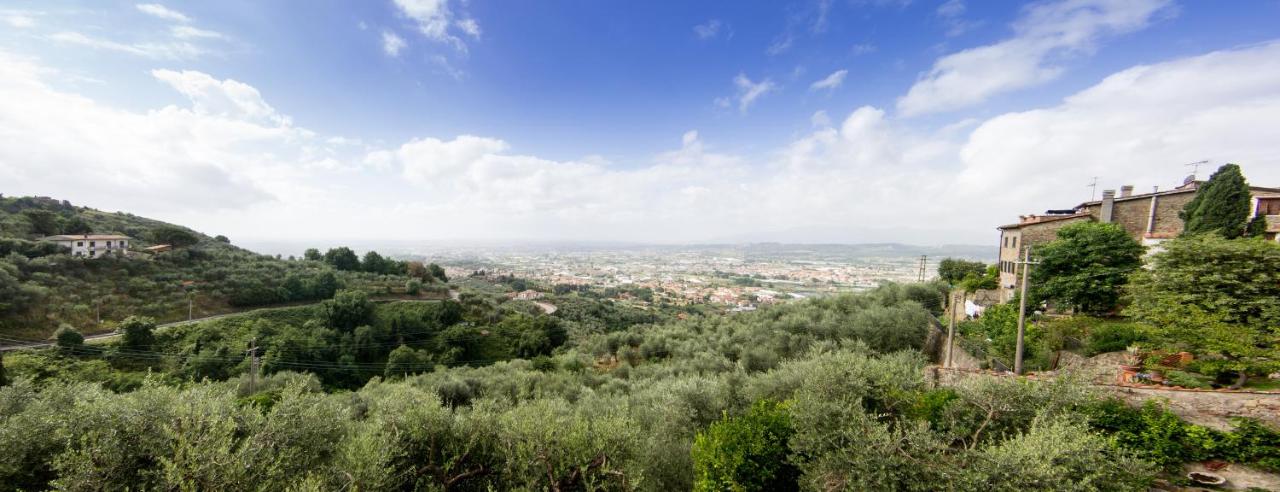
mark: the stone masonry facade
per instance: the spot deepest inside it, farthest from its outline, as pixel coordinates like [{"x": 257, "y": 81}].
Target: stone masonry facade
[{"x": 1149, "y": 218}]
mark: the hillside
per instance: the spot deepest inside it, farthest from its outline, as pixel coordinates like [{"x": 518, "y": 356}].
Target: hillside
[
  {"x": 43, "y": 287},
  {"x": 821, "y": 394}
]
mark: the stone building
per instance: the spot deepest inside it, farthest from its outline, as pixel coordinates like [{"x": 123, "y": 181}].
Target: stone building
[{"x": 1150, "y": 218}]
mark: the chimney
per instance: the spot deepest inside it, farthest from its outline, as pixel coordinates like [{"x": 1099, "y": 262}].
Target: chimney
[
  {"x": 1126, "y": 191},
  {"x": 1108, "y": 204}
]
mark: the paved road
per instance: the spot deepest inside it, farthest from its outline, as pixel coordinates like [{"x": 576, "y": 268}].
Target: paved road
[
  {"x": 547, "y": 307},
  {"x": 453, "y": 294}
]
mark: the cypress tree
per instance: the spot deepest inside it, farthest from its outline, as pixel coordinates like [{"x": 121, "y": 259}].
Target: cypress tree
[{"x": 1221, "y": 205}]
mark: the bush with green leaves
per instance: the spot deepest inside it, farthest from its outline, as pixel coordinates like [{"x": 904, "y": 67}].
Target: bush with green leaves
[
  {"x": 972, "y": 282},
  {"x": 68, "y": 338},
  {"x": 1183, "y": 379},
  {"x": 747, "y": 452},
  {"x": 995, "y": 334},
  {"x": 1086, "y": 267},
  {"x": 1106, "y": 337},
  {"x": 1155, "y": 434},
  {"x": 1058, "y": 454}
]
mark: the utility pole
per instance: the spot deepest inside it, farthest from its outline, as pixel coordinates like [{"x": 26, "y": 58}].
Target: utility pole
[
  {"x": 253, "y": 366},
  {"x": 924, "y": 259},
  {"x": 191, "y": 306},
  {"x": 1022, "y": 308},
  {"x": 951, "y": 331}
]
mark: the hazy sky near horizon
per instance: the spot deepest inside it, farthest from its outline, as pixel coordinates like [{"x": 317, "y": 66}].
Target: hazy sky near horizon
[{"x": 819, "y": 120}]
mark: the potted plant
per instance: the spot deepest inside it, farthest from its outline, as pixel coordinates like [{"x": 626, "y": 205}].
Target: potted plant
[{"x": 1131, "y": 365}]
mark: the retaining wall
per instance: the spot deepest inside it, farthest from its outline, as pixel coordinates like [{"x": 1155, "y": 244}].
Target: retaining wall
[{"x": 1209, "y": 408}]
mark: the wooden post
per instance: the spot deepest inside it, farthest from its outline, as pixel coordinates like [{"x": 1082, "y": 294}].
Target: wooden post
[
  {"x": 951, "y": 332},
  {"x": 1022, "y": 310}
]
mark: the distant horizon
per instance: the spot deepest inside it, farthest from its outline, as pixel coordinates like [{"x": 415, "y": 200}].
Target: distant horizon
[{"x": 426, "y": 247}]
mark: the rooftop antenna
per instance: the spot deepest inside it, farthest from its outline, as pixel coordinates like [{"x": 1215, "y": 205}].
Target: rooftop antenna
[
  {"x": 1195, "y": 167},
  {"x": 1093, "y": 188}
]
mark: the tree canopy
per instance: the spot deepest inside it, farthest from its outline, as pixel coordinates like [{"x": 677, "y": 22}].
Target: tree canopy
[
  {"x": 175, "y": 236},
  {"x": 342, "y": 258},
  {"x": 1216, "y": 297},
  {"x": 1086, "y": 267},
  {"x": 1221, "y": 205},
  {"x": 954, "y": 270}
]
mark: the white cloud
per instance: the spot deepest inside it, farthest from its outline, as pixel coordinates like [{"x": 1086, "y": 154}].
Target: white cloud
[
  {"x": 166, "y": 13},
  {"x": 708, "y": 30},
  {"x": 780, "y": 44},
  {"x": 1043, "y": 32},
  {"x": 689, "y": 138},
  {"x": 19, "y": 21},
  {"x": 167, "y": 50},
  {"x": 951, "y": 13},
  {"x": 443, "y": 66},
  {"x": 830, "y": 82},
  {"x": 225, "y": 98},
  {"x": 951, "y": 8},
  {"x": 1137, "y": 127},
  {"x": 469, "y": 26},
  {"x": 748, "y": 92},
  {"x": 188, "y": 32},
  {"x": 862, "y": 49},
  {"x": 819, "y": 25},
  {"x": 168, "y": 161},
  {"x": 436, "y": 21},
  {"x": 392, "y": 43},
  {"x": 820, "y": 119}
]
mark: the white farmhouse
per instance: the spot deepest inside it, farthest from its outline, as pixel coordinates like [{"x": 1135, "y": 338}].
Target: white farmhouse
[{"x": 93, "y": 245}]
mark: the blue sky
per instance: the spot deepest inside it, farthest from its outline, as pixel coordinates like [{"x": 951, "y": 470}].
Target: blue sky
[{"x": 654, "y": 121}]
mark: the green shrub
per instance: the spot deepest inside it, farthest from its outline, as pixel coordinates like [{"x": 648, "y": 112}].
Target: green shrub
[
  {"x": 1161, "y": 437},
  {"x": 1183, "y": 379},
  {"x": 930, "y": 406},
  {"x": 1254, "y": 443},
  {"x": 1058, "y": 454},
  {"x": 746, "y": 453},
  {"x": 68, "y": 338},
  {"x": 1112, "y": 337}
]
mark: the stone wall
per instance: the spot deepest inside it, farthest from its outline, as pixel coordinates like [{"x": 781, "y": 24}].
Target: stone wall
[
  {"x": 1208, "y": 408},
  {"x": 1168, "y": 223},
  {"x": 1213, "y": 409},
  {"x": 1133, "y": 214}
]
